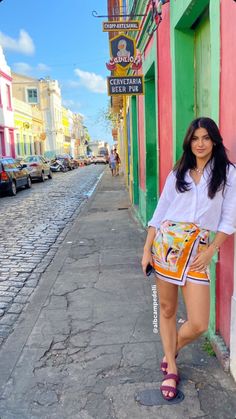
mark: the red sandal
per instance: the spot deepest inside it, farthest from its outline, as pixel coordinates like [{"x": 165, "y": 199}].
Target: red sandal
[
  {"x": 170, "y": 389},
  {"x": 164, "y": 365}
]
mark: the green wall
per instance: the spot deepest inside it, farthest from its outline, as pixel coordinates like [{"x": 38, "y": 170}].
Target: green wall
[
  {"x": 151, "y": 142},
  {"x": 184, "y": 15},
  {"x": 151, "y": 129},
  {"x": 135, "y": 152}
]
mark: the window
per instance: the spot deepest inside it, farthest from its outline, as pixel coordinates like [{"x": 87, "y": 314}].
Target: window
[
  {"x": 31, "y": 145},
  {"x": 32, "y": 159},
  {"x": 2, "y": 143},
  {"x": 8, "y": 91},
  {"x": 9, "y": 163},
  {"x": 32, "y": 96},
  {"x": 18, "y": 144},
  {"x": 25, "y": 145}
]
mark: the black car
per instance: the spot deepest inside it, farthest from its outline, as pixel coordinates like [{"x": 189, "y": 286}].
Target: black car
[{"x": 13, "y": 175}]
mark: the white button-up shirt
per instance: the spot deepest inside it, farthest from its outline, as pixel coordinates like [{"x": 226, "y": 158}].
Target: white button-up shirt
[{"x": 194, "y": 206}]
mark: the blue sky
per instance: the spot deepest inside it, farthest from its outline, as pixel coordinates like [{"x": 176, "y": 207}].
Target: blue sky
[{"x": 61, "y": 39}]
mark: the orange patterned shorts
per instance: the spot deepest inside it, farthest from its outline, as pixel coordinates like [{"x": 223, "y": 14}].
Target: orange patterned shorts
[{"x": 173, "y": 249}]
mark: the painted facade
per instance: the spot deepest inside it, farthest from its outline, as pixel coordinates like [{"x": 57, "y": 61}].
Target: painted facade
[
  {"x": 79, "y": 135},
  {"x": 66, "y": 131},
  {"x": 38, "y": 130},
  {"x": 23, "y": 128},
  {"x": 188, "y": 68},
  {"x": 29, "y": 129},
  {"x": 51, "y": 106},
  {"x": 44, "y": 96},
  {"x": 7, "y": 139}
]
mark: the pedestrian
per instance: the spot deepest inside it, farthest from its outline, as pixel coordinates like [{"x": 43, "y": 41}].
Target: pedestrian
[
  {"x": 199, "y": 197},
  {"x": 118, "y": 161},
  {"x": 112, "y": 163}
]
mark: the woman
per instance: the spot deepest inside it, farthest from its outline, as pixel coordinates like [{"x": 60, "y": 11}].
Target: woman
[
  {"x": 199, "y": 196},
  {"x": 118, "y": 161},
  {"x": 112, "y": 163}
]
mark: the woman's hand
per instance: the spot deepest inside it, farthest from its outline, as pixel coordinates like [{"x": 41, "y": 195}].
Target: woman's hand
[
  {"x": 202, "y": 260},
  {"x": 147, "y": 258}
]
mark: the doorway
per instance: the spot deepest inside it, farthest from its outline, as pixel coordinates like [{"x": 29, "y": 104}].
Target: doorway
[
  {"x": 202, "y": 66},
  {"x": 151, "y": 142}
]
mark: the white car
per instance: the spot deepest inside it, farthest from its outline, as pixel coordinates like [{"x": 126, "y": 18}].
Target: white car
[{"x": 100, "y": 160}]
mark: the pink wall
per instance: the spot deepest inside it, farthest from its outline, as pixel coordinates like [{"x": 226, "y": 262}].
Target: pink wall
[
  {"x": 164, "y": 98},
  {"x": 228, "y": 130}
]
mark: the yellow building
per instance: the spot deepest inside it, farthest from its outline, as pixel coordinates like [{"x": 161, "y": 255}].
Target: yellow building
[
  {"x": 39, "y": 135},
  {"x": 44, "y": 95},
  {"x": 66, "y": 131},
  {"x": 30, "y": 131},
  {"x": 23, "y": 128}
]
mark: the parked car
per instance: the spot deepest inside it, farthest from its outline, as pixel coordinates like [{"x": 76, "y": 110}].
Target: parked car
[
  {"x": 38, "y": 167},
  {"x": 68, "y": 160},
  {"x": 13, "y": 175},
  {"x": 81, "y": 161},
  {"x": 89, "y": 159},
  {"x": 57, "y": 166},
  {"x": 100, "y": 160},
  {"x": 19, "y": 159}
]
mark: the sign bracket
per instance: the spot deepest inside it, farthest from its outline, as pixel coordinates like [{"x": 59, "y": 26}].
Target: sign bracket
[{"x": 95, "y": 14}]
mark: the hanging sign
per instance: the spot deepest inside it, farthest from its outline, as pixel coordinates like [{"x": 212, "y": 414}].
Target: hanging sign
[
  {"x": 129, "y": 85},
  {"x": 114, "y": 26},
  {"x": 123, "y": 55}
]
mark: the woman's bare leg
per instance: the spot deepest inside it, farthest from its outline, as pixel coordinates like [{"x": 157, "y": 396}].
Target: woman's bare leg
[
  {"x": 197, "y": 302},
  {"x": 168, "y": 299}
]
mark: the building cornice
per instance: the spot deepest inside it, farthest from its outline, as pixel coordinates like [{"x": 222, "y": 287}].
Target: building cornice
[{"x": 5, "y": 75}]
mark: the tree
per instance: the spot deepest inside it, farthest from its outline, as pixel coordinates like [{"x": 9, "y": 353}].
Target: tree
[{"x": 108, "y": 118}]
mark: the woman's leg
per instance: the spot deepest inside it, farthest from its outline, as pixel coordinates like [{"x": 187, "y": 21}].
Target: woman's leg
[
  {"x": 197, "y": 302},
  {"x": 168, "y": 299}
]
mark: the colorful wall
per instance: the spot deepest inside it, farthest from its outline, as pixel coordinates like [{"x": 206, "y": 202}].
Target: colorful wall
[
  {"x": 226, "y": 284},
  {"x": 188, "y": 68}
]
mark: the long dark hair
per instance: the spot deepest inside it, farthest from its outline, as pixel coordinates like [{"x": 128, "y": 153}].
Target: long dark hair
[{"x": 219, "y": 162}]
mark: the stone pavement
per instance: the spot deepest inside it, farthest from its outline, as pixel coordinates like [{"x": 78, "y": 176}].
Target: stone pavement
[
  {"x": 32, "y": 229},
  {"x": 84, "y": 344}
]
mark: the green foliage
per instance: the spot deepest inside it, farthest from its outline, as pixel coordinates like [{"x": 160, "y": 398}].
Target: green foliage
[
  {"x": 107, "y": 118},
  {"x": 206, "y": 347}
]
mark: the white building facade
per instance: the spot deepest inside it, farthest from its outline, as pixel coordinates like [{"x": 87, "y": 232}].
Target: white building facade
[{"x": 51, "y": 106}]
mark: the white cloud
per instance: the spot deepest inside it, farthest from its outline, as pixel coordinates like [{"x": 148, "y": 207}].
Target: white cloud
[
  {"x": 22, "y": 68},
  {"x": 70, "y": 103},
  {"x": 37, "y": 71},
  {"x": 72, "y": 83},
  {"x": 92, "y": 81},
  {"x": 24, "y": 44},
  {"x": 43, "y": 67}
]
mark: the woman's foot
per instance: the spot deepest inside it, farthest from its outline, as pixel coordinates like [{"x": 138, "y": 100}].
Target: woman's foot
[
  {"x": 164, "y": 364},
  {"x": 169, "y": 386}
]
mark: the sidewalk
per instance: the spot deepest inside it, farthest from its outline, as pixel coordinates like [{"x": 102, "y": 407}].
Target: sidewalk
[{"x": 85, "y": 344}]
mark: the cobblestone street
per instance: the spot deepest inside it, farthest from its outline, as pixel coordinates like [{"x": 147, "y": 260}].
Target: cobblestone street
[{"x": 32, "y": 228}]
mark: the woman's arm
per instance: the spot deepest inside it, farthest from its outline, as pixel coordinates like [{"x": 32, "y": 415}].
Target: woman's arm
[
  {"x": 147, "y": 254},
  {"x": 202, "y": 259},
  {"x": 227, "y": 223}
]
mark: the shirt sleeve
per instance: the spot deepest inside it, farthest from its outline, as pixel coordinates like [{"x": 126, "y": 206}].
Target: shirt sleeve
[
  {"x": 163, "y": 202},
  {"x": 227, "y": 223}
]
